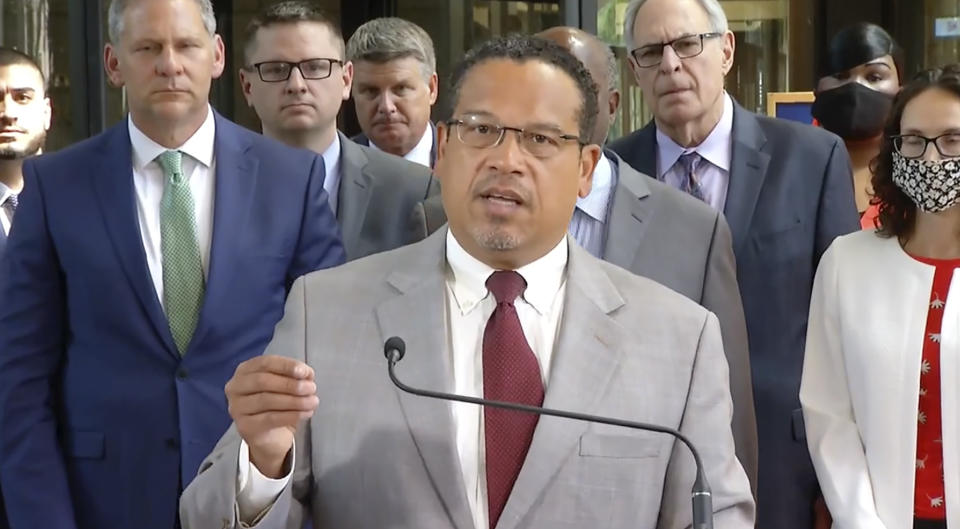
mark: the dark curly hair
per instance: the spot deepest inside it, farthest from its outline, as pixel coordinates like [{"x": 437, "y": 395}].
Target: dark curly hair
[
  {"x": 898, "y": 213},
  {"x": 523, "y": 48}
]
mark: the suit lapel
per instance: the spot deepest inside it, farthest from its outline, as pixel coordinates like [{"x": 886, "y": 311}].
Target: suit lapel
[
  {"x": 234, "y": 186},
  {"x": 626, "y": 226},
  {"x": 113, "y": 182},
  {"x": 421, "y": 292},
  {"x": 356, "y": 188},
  {"x": 749, "y": 167},
  {"x": 587, "y": 353},
  {"x": 645, "y": 159},
  {"x": 433, "y": 146}
]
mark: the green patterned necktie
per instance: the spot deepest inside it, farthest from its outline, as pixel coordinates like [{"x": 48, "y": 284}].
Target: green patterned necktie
[{"x": 182, "y": 270}]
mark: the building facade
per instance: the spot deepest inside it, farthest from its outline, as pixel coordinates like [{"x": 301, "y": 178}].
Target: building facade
[{"x": 779, "y": 43}]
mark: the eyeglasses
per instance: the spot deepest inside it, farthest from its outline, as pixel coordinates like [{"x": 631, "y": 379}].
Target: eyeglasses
[
  {"x": 541, "y": 142},
  {"x": 279, "y": 71},
  {"x": 685, "y": 47},
  {"x": 914, "y": 146}
]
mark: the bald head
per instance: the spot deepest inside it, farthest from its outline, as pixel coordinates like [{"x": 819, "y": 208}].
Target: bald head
[{"x": 602, "y": 65}]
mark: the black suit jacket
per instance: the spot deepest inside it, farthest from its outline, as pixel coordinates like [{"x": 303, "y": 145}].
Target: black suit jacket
[{"x": 790, "y": 195}]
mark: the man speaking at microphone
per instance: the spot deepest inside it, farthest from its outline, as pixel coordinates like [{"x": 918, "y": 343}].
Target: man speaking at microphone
[{"x": 500, "y": 305}]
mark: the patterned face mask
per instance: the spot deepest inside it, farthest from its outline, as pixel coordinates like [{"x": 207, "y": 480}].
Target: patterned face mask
[{"x": 933, "y": 186}]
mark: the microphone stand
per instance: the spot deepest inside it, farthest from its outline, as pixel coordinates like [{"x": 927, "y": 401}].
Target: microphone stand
[{"x": 395, "y": 348}]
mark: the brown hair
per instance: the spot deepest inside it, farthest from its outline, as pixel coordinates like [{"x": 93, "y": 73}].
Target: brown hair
[
  {"x": 898, "y": 213},
  {"x": 289, "y": 12}
]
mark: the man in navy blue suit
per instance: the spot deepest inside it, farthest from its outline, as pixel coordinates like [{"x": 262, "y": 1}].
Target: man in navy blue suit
[
  {"x": 144, "y": 265},
  {"x": 24, "y": 121}
]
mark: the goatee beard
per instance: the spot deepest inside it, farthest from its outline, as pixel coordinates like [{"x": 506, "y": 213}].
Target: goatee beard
[{"x": 9, "y": 152}]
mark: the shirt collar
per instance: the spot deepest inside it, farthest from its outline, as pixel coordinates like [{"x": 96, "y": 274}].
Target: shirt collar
[
  {"x": 714, "y": 149},
  {"x": 543, "y": 276},
  {"x": 331, "y": 158},
  {"x": 595, "y": 204},
  {"x": 4, "y": 193},
  {"x": 199, "y": 146}
]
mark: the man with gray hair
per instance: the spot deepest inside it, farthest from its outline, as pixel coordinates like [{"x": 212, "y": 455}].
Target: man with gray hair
[
  {"x": 786, "y": 191},
  {"x": 394, "y": 87},
  {"x": 655, "y": 231},
  {"x": 145, "y": 264}
]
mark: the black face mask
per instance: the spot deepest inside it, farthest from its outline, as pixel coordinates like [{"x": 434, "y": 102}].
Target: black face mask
[{"x": 852, "y": 111}]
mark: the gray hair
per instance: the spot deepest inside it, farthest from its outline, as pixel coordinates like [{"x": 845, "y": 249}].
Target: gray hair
[
  {"x": 385, "y": 39},
  {"x": 118, "y": 7},
  {"x": 718, "y": 19}
]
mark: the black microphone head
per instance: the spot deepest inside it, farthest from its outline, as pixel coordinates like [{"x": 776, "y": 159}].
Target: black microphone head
[{"x": 394, "y": 343}]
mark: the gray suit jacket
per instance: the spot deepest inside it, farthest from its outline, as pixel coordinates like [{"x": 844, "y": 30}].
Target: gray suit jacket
[
  {"x": 663, "y": 234},
  {"x": 790, "y": 195},
  {"x": 373, "y": 457},
  {"x": 377, "y": 195}
]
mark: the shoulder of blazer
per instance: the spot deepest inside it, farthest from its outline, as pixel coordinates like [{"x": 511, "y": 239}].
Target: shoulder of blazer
[
  {"x": 866, "y": 244},
  {"x": 794, "y": 134},
  {"x": 683, "y": 209},
  {"x": 74, "y": 159},
  {"x": 395, "y": 169},
  {"x": 361, "y": 139}
]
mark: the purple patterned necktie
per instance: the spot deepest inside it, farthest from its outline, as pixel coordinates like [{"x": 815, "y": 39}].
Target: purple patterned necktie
[
  {"x": 691, "y": 183},
  {"x": 511, "y": 372}
]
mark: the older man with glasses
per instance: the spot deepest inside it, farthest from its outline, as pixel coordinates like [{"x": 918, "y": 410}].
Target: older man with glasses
[
  {"x": 786, "y": 191},
  {"x": 296, "y": 79}
]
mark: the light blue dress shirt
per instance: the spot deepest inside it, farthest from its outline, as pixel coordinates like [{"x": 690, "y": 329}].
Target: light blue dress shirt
[
  {"x": 713, "y": 170},
  {"x": 590, "y": 215}
]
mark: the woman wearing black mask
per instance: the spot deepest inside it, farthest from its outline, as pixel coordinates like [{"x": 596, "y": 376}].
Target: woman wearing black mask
[
  {"x": 861, "y": 74},
  {"x": 881, "y": 372}
]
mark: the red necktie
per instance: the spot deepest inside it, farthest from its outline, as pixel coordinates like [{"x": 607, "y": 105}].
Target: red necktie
[{"x": 511, "y": 373}]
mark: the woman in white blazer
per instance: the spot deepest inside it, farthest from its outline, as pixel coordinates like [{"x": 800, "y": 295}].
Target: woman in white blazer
[{"x": 881, "y": 374}]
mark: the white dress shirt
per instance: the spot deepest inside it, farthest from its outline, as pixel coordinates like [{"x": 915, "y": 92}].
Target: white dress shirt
[
  {"x": 422, "y": 151},
  {"x": 590, "y": 215},
  {"x": 148, "y": 180},
  {"x": 714, "y": 168},
  {"x": 6, "y": 216},
  {"x": 468, "y": 307},
  {"x": 331, "y": 168}
]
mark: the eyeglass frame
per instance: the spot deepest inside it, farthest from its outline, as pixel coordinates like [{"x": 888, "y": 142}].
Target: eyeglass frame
[
  {"x": 296, "y": 64},
  {"x": 503, "y": 134},
  {"x": 663, "y": 45},
  {"x": 926, "y": 145}
]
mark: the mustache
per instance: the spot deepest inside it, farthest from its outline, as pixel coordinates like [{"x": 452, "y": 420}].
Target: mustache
[{"x": 501, "y": 184}]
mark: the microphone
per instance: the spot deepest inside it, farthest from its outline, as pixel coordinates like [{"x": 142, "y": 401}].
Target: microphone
[{"x": 395, "y": 348}]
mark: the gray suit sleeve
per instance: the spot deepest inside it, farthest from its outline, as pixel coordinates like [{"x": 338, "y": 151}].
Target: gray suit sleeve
[
  {"x": 706, "y": 422},
  {"x": 210, "y": 501},
  {"x": 721, "y": 295}
]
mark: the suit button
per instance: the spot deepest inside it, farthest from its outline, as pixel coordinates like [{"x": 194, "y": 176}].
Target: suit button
[
  {"x": 182, "y": 373},
  {"x": 172, "y": 443}
]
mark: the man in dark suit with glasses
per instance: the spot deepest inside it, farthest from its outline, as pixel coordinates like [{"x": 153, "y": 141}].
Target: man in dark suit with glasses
[{"x": 296, "y": 78}]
